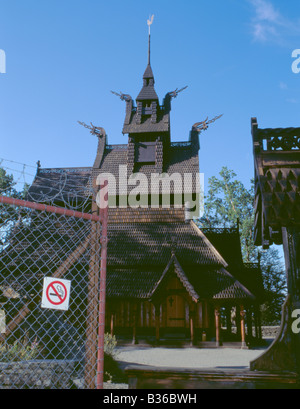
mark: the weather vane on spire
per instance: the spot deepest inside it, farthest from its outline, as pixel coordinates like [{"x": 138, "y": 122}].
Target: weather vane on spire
[{"x": 150, "y": 21}]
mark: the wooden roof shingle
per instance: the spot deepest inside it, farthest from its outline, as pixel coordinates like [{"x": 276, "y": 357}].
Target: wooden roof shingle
[{"x": 277, "y": 182}]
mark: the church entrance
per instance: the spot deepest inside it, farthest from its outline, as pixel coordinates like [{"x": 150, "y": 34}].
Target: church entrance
[{"x": 176, "y": 319}]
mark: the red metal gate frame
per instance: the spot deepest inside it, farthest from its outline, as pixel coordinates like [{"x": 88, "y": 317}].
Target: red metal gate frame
[{"x": 102, "y": 217}]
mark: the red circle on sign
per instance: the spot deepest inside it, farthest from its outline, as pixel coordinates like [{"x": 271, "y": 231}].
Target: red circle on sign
[{"x": 56, "y": 293}]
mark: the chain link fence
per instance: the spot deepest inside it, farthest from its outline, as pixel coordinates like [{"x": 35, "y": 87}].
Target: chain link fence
[{"x": 51, "y": 335}]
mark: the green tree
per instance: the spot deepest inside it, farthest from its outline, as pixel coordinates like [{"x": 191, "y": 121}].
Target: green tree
[
  {"x": 229, "y": 202},
  {"x": 6, "y": 183},
  {"x": 9, "y": 215},
  {"x": 8, "y": 186},
  {"x": 274, "y": 284}
]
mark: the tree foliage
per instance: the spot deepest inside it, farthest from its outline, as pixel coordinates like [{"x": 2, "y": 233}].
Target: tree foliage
[
  {"x": 9, "y": 215},
  {"x": 8, "y": 186},
  {"x": 227, "y": 203}
]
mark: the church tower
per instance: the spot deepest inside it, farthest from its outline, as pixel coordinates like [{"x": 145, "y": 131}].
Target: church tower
[{"x": 147, "y": 124}]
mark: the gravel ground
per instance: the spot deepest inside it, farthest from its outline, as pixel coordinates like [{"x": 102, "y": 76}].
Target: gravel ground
[
  {"x": 187, "y": 357},
  {"x": 183, "y": 358}
]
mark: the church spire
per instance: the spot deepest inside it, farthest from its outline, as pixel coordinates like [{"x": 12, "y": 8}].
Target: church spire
[
  {"x": 148, "y": 92},
  {"x": 149, "y": 22}
]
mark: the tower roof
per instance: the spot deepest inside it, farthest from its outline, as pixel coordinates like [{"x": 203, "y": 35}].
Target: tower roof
[
  {"x": 147, "y": 92},
  {"x": 148, "y": 73}
]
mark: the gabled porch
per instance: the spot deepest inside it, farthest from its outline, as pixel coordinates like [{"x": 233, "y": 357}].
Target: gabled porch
[{"x": 202, "y": 307}]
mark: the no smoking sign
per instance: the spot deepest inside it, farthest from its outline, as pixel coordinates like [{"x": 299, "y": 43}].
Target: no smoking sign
[{"x": 56, "y": 293}]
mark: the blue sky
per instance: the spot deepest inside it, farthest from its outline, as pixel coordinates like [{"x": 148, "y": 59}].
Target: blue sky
[{"x": 64, "y": 57}]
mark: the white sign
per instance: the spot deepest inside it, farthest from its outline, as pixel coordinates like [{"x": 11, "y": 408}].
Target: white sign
[{"x": 56, "y": 293}]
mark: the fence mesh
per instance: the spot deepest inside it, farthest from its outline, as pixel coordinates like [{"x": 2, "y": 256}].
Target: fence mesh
[{"x": 43, "y": 347}]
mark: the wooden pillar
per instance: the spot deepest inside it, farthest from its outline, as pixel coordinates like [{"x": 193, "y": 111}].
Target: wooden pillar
[
  {"x": 291, "y": 247},
  {"x": 243, "y": 328},
  {"x": 199, "y": 309},
  {"x": 284, "y": 353},
  {"x": 205, "y": 315},
  {"x": 157, "y": 323},
  {"x": 204, "y": 321},
  {"x": 192, "y": 324},
  {"x": 218, "y": 326},
  {"x": 238, "y": 321},
  {"x": 134, "y": 327}
]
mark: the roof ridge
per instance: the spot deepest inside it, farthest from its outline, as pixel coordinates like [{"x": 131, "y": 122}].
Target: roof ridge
[
  {"x": 238, "y": 283},
  {"x": 210, "y": 245},
  {"x": 189, "y": 288}
]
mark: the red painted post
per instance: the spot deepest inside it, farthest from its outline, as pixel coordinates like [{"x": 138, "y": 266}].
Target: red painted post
[{"x": 102, "y": 292}]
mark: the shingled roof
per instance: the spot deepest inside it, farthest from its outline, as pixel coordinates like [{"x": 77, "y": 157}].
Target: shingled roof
[
  {"x": 140, "y": 256},
  {"x": 227, "y": 242},
  {"x": 162, "y": 124},
  {"x": 200, "y": 283},
  {"x": 277, "y": 188},
  {"x": 63, "y": 183},
  {"x": 179, "y": 159},
  {"x": 151, "y": 244},
  {"x": 147, "y": 92}
]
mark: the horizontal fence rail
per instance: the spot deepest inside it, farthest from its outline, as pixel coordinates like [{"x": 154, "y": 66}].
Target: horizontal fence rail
[{"x": 51, "y": 209}]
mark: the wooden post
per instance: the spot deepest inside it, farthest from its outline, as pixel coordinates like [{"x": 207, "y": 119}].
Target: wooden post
[
  {"x": 218, "y": 326},
  {"x": 157, "y": 323},
  {"x": 271, "y": 217},
  {"x": 243, "y": 329},
  {"x": 205, "y": 315},
  {"x": 291, "y": 247},
  {"x": 284, "y": 353},
  {"x": 134, "y": 329},
  {"x": 199, "y": 309},
  {"x": 192, "y": 316},
  {"x": 238, "y": 321}
]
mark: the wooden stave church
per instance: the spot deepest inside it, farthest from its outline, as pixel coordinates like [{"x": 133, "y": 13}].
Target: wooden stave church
[{"x": 166, "y": 277}]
